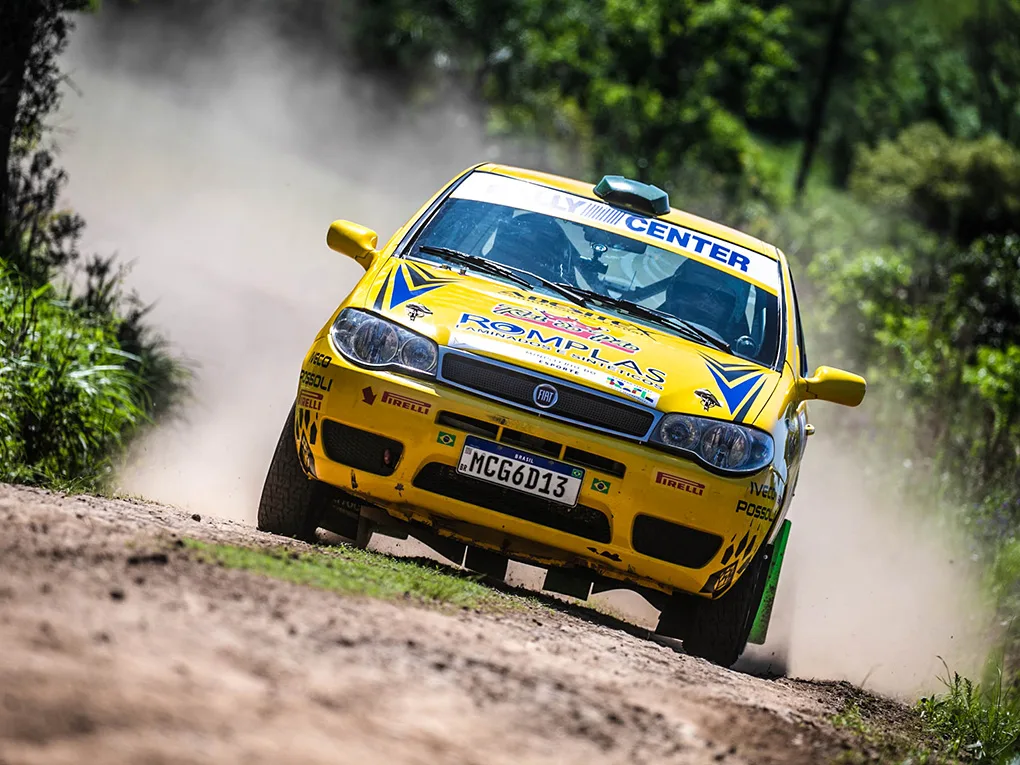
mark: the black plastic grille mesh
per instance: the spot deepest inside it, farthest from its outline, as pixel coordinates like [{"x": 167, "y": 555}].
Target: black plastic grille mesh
[
  {"x": 674, "y": 543},
  {"x": 581, "y": 521},
  {"x": 518, "y": 387},
  {"x": 360, "y": 449}
]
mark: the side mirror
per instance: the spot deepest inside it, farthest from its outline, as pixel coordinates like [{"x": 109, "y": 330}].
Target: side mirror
[
  {"x": 834, "y": 385},
  {"x": 353, "y": 240}
]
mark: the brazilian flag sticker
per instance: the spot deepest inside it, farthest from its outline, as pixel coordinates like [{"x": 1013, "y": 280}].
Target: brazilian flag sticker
[
  {"x": 599, "y": 485},
  {"x": 446, "y": 439}
]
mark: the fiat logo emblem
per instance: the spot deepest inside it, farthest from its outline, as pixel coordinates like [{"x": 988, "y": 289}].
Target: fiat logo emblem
[{"x": 545, "y": 396}]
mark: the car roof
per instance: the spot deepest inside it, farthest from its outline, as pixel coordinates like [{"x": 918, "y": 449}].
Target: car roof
[{"x": 679, "y": 217}]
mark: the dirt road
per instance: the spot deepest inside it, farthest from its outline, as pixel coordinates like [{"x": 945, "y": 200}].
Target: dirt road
[{"x": 119, "y": 646}]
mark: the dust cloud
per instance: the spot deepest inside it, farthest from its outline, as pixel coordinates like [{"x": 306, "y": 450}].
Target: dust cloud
[
  {"x": 874, "y": 589},
  {"x": 217, "y": 175}
]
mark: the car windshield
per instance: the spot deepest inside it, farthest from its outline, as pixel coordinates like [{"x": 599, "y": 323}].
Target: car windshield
[{"x": 512, "y": 223}]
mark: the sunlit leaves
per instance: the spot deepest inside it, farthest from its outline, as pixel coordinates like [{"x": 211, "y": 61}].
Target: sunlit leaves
[{"x": 68, "y": 399}]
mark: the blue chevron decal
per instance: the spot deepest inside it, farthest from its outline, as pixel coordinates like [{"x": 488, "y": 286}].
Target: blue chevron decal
[
  {"x": 410, "y": 282},
  {"x": 733, "y": 392},
  {"x": 739, "y": 417},
  {"x": 730, "y": 371},
  {"x": 382, "y": 291}
]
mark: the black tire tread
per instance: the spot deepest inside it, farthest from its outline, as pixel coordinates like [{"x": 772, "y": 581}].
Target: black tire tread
[
  {"x": 719, "y": 628},
  {"x": 287, "y": 505}
]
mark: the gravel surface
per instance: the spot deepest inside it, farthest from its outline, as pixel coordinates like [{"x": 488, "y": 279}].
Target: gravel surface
[{"x": 118, "y": 646}]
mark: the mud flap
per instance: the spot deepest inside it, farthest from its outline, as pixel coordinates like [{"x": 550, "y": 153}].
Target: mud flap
[
  {"x": 486, "y": 562},
  {"x": 760, "y": 627},
  {"x": 572, "y": 582}
]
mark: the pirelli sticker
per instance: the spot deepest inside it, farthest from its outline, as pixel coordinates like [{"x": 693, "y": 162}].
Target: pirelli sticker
[
  {"x": 406, "y": 402},
  {"x": 680, "y": 484},
  {"x": 523, "y": 195}
]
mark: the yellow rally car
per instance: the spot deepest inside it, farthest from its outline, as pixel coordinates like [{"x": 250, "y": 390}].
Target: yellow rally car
[{"x": 577, "y": 377}]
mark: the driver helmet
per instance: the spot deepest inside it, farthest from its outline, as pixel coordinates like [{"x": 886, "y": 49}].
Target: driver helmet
[
  {"x": 535, "y": 243},
  {"x": 706, "y": 296}
]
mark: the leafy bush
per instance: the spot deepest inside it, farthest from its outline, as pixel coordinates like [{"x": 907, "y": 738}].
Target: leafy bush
[
  {"x": 67, "y": 399},
  {"x": 80, "y": 373},
  {"x": 638, "y": 88},
  {"x": 964, "y": 189}
]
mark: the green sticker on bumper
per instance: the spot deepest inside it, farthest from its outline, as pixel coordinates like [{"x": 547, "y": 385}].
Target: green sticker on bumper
[
  {"x": 446, "y": 439},
  {"x": 599, "y": 485}
]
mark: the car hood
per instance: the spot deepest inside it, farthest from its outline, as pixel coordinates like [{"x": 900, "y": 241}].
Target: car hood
[{"x": 498, "y": 320}]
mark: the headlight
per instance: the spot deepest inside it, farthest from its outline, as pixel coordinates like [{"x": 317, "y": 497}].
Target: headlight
[
  {"x": 372, "y": 341},
  {"x": 721, "y": 445}
]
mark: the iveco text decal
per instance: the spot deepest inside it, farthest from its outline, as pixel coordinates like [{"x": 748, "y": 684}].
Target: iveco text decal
[{"x": 500, "y": 190}]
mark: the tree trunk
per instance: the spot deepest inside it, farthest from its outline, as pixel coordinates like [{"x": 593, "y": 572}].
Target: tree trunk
[
  {"x": 821, "y": 99},
  {"x": 17, "y": 35}
]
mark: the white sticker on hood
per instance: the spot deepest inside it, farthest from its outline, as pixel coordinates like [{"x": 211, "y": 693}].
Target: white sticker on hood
[{"x": 581, "y": 372}]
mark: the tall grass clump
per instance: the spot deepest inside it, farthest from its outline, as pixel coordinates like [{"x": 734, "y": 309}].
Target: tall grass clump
[{"x": 976, "y": 722}]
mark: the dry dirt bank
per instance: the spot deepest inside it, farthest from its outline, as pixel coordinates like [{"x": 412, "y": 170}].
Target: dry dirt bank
[{"x": 118, "y": 646}]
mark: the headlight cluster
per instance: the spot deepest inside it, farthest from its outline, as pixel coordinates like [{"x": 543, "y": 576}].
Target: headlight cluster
[
  {"x": 720, "y": 445},
  {"x": 372, "y": 341}
]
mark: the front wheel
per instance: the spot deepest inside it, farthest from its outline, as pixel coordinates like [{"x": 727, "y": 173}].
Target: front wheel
[
  {"x": 289, "y": 505},
  {"x": 717, "y": 630}
]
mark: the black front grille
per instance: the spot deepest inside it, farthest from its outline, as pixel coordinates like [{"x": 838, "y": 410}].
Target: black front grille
[
  {"x": 518, "y": 388},
  {"x": 531, "y": 443},
  {"x": 468, "y": 424},
  {"x": 595, "y": 461},
  {"x": 674, "y": 543},
  {"x": 360, "y": 449},
  {"x": 581, "y": 521}
]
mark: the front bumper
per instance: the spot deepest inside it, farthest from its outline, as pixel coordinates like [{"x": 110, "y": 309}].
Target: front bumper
[{"x": 643, "y": 516}]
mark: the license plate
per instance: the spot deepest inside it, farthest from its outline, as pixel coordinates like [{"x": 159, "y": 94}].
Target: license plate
[{"x": 528, "y": 473}]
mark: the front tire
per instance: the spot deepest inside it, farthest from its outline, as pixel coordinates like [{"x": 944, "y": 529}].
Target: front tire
[
  {"x": 717, "y": 630},
  {"x": 289, "y": 505}
]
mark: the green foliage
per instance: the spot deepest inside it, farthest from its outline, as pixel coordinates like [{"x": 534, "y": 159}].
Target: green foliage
[
  {"x": 80, "y": 373},
  {"x": 878, "y": 742},
  {"x": 916, "y": 282},
  {"x": 648, "y": 88},
  {"x": 358, "y": 572},
  {"x": 637, "y": 88},
  {"x": 67, "y": 397},
  {"x": 936, "y": 321},
  {"x": 963, "y": 189},
  {"x": 976, "y": 723}
]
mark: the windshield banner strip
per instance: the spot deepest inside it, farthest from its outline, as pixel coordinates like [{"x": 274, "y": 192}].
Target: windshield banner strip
[{"x": 500, "y": 190}]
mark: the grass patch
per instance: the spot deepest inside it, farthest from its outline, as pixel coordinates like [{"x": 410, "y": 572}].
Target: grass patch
[
  {"x": 874, "y": 736},
  {"x": 358, "y": 572},
  {"x": 968, "y": 723},
  {"x": 977, "y": 723}
]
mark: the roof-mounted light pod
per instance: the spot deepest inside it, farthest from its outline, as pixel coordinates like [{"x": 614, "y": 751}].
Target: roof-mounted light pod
[{"x": 633, "y": 195}]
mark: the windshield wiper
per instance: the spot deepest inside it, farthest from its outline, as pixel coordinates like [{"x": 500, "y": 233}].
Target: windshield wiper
[
  {"x": 516, "y": 275},
  {"x": 475, "y": 262},
  {"x": 655, "y": 315}
]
